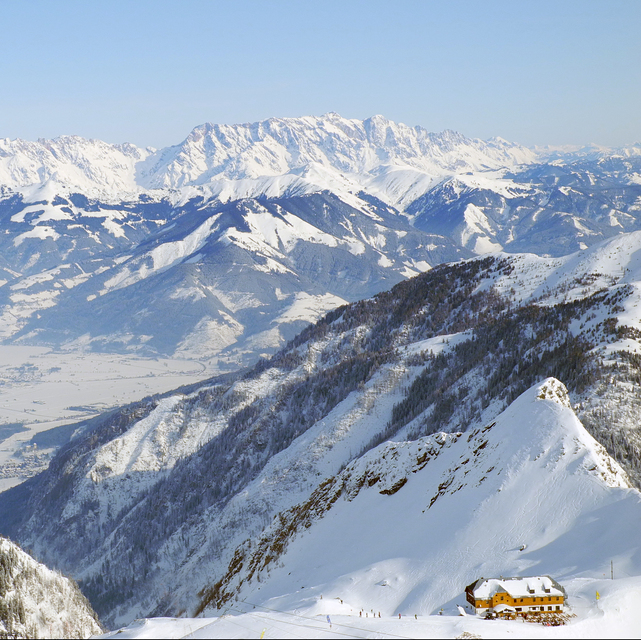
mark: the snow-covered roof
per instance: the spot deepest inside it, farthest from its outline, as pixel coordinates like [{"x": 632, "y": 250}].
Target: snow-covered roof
[
  {"x": 504, "y": 607},
  {"x": 529, "y": 587}
]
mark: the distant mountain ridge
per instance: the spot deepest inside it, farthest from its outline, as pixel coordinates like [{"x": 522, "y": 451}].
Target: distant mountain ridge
[
  {"x": 271, "y": 148},
  {"x": 241, "y": 234},
  {"x": 387, "y": 158}
]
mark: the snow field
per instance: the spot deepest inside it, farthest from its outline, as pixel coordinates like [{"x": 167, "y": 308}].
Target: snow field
[
  {"x": 43, "y": 389},
  {"x": 413, "y": 552}
]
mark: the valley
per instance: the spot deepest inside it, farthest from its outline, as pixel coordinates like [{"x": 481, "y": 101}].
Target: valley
[
  {"x": 321, "y": 366},
  {"x": 42, "y": 390}
]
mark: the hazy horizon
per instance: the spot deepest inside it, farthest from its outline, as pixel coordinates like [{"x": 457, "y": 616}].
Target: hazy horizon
[{"x": 535, "y": 73}]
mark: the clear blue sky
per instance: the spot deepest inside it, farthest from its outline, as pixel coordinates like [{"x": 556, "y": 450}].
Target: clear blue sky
[{"x": 563, "y": 72}]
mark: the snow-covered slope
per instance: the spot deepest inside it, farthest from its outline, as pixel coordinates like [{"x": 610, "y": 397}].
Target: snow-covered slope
[
  {"x": 70, "y": 164},
  {"x": 201, "y": 279},
  {"x": 36, "y": 602},
  {"x": 176, "y": 485},
  {"x": 552, "y": 209},
  {"x": 406, "y": 527}
]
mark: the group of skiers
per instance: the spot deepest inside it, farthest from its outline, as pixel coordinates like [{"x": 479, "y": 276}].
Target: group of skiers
[{"x": 360, "y": 613}]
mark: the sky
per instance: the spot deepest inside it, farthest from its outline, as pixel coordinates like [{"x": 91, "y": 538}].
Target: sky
[{"x": 147, "y": 72}]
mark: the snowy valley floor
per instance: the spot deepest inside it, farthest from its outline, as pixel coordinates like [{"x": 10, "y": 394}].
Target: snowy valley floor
[
  {"x": 615, "y": 615},
  {"x": 41, "y": 389}
]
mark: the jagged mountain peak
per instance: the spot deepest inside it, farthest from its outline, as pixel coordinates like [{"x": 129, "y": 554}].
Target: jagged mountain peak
[
  {"x": 366, "y": 150},
  {"x": 554, "y": 390}
]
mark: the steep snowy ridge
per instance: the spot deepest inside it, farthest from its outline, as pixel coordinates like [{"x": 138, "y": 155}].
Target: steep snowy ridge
[
  {"x": 509, "y": 480},
  {"x": 36, "y": 602},
  {"x": 279, "y": 146},
  {"x": 403, "y": 529}
]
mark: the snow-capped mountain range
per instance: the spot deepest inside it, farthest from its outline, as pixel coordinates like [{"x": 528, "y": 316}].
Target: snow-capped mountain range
[
  {"x": 226, "y": 244},
  {"x": 196, "y": 483},
  {"x": 273, "y": 157},
  {"x": 468, "y": 395}
]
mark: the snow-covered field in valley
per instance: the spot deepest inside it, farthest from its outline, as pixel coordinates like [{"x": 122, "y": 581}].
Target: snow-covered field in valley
[
  {"x": 615, "y": 615},
  {"x": 41, "y": 389}
]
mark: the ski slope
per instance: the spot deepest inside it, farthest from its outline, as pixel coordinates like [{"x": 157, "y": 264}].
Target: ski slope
[{"x": 410, "y": 524}]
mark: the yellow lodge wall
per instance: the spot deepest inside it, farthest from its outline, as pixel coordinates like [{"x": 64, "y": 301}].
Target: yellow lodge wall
[{"x": 519, "y": 602}]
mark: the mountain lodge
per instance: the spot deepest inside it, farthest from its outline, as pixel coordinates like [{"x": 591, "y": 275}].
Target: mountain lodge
[{"x": 509, "y": 597}]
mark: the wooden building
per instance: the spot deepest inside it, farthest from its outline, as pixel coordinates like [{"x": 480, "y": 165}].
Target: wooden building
[{"x": 518, "y": 596}]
